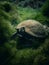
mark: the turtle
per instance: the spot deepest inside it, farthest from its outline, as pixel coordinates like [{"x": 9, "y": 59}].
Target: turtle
[{"x": 32, "y": 31}]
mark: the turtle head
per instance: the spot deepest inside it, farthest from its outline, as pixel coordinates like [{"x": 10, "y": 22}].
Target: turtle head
[{"x": 20, "y": 31}]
